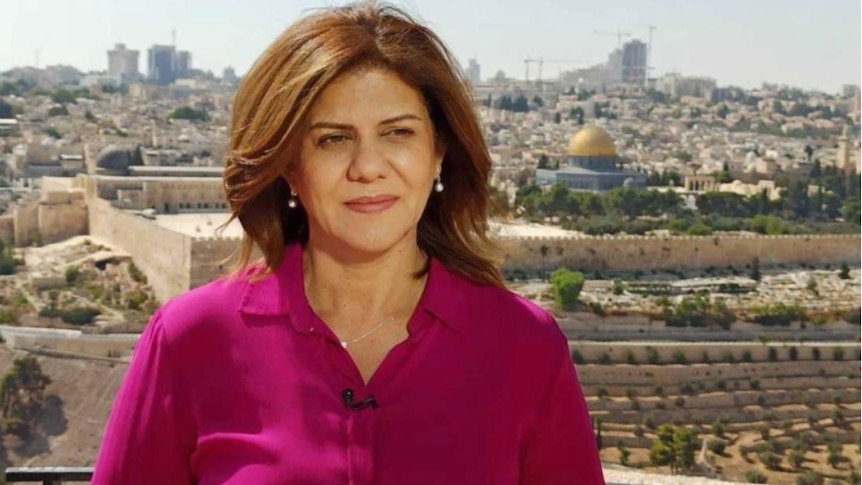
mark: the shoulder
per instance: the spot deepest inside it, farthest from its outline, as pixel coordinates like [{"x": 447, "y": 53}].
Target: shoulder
[
  {"x": 207, "y": 308},
  {"x": 503, "y": 316}
]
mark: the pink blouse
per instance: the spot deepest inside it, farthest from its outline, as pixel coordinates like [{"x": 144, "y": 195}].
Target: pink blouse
[{"x": 239, "y": 382}]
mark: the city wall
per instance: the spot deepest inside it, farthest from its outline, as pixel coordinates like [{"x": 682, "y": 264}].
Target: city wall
[
  {"x": 7, "y": 229},
  {"x": 161, "y": 254},
  {"x": 677, "y": 252},
  {"x": 212, "y": 258}
]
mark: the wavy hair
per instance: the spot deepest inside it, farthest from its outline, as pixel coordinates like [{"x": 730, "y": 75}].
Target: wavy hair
[{"x": 270, "y": 115}]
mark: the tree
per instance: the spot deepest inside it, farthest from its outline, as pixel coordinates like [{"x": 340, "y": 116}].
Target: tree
[
  {"x": 809, "y": 151},
  {"x": 844, "y": 273},
  {"x": 558, "y": 118},
  {"x": 755, "y": 270},
  {"x": 567, "y": 287},
  {"x": 22, "y": 395},
  {"x": 809, "y": 478},
  {"x": 675, "y": 447},
  {"x": 754, "y": 476},
  {"x": 189, "y": 113},
  {"x": 625, "y": 453},
  {"x": 796, "y": 458}
]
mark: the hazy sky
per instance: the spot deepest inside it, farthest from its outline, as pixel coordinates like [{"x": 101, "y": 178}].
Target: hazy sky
[{"x": 812, "y": 44}]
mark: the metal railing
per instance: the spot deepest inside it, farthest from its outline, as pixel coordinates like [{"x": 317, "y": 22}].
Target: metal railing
[{"x": 49, "y": 475}]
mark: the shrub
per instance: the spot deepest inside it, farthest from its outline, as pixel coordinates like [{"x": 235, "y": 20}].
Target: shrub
[
  {"x": 717, "y": 446},
  {"x": 567, "y": 286},
  {"x": 679, "y": 402},
  {"x": 793, "y": 353},
  {"x": 772, "y": 354},
  {"x": 809, "y": 478},
  {"x": 815, "y": 353},
  {"x": 754, "y": 476},
  {"x": 796, "y": 458},
  {"x": 660, "y": 405},
  {"x": 704, "y": 357},
  {"x": 72, "y": 275},
  {"x": 602, "y": 392},
  {"x": 136, "y": 274},
  {"x": 630, "y": 358},
  {"x": 679, "y": 358},
  {"x": 764, "y": 431},
  {"x": 729, "y": 357},
  {"x": 837, "y": 353},
  {"x": 746, "y": 356},
  {"x": 718, "y": 428},
  {"x": 770, "y": 460},
  {"x": 577, "y": 357},
  {"x": 658, "y": 391},
  {"x": 652, "y": 355},
  {"x": 631, "y": 393},
  {"x": 686, "y": 388},
  {"x": 80, "y": 315},
  {"x": 721, "y": 385},
  {"x": 625, "y": 453},
  {"x": 754, "y": 384},
  {"x": 604, "y": 359},
  {"x": 639, "y": 431}
]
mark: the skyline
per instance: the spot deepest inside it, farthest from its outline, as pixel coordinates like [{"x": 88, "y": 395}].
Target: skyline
[{"x": 804, "y": 44}]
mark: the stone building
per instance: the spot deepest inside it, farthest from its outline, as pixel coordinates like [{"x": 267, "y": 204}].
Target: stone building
[{"x": 592, "y": 165}]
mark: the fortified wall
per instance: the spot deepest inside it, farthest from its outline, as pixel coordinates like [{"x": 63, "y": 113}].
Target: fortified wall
[
  {"x": 163, "y": 255},
  {"x": 629, "y": 253}
]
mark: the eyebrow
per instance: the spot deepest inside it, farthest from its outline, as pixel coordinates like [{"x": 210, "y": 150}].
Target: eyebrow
[{"x": 342, "y": 126}]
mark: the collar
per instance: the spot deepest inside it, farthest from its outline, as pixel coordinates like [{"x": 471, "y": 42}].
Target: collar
[{"x": 282, "y": 292}]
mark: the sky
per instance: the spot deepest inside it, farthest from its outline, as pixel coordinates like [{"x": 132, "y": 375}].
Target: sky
[{"x": 809, "y": 44}]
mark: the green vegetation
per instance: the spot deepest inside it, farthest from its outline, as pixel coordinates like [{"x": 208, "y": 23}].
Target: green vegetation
[
  {"x": 189, "y": 113},
  {"x": 754, "y": 476},
  {"x": 22, "y": 395},
  {"x": 674, "y": 447},
  {"x": 697, "y": 311},
  {"x": 567, "y": 287},
  {"x": 780, "y": 314}
]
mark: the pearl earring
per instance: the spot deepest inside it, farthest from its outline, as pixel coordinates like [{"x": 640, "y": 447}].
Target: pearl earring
[
  {"x": 291, "y": 202},
  {"x": 438, "y": 185}
]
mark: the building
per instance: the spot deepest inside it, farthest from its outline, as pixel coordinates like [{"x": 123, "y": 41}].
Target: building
[
  {"x": 183, "y": 65},
  {"x": 701, "y": 87},
  {"x": 474, "y": 74},
  {"x": 592, "y": 165},
  {"x": 123, "y": 63},
  {"x": 634, "y": 62},
  {"x": 161, "y": 64},
  {"x": 229, "y": 75}
]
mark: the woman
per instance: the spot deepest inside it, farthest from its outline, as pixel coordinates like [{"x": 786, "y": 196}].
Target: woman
[{"x": 376, "y": 342}]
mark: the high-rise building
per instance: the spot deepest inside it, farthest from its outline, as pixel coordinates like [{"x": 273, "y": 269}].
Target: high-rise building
[
  {"x": 183, "y": 65},
  {"x": 161, "y": 64},
  {"x": 849, "y": 90},
  {"x": 122, "y": 63},
  {"x": 474, "y": 72},
  {"x": 229, "y": 75},
  {"x": 634, "y": 62}
]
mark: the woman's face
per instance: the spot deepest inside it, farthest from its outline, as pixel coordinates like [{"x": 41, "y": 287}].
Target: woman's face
[{"x": 367, "y": 164}]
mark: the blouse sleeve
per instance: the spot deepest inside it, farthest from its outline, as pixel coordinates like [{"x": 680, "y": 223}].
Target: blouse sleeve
[
  {"x": 560, "y": 448},
  {"x": 150, "y": 435}
]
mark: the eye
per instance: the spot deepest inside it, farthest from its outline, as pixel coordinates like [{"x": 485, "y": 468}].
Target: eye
[
  {"x": 330, "y": 140},
  {"x": 399, "y": 132}
]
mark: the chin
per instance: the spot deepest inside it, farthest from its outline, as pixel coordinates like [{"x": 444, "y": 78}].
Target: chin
[{"x": 375, "y": 242}]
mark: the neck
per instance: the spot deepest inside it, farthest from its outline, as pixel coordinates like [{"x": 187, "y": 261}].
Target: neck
[{"x": 362, "y": 289}]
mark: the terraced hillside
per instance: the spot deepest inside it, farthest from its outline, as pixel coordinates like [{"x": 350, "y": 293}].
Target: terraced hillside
[{"x": 766, "y": 409}]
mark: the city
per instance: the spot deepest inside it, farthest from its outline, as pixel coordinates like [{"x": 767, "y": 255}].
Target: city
[{"x": 698, "y": 243}]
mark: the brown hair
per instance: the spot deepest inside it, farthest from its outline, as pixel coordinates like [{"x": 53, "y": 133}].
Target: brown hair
[{"x": 272, "y": 104}]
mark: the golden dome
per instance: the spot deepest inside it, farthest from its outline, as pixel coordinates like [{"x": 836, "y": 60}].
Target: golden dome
[{"x": 592, "y": 141}]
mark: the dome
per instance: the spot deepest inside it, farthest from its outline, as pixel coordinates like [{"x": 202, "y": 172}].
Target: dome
[
  {"x": 114, "y": 158},
  {"x": 592, "y": 141}
]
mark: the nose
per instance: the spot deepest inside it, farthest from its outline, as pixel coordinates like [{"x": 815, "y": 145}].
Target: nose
[{"x": 369, "y": 162}]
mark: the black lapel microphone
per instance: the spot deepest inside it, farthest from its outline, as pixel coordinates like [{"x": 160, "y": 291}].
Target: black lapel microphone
[{"x": 347, "y": 396}]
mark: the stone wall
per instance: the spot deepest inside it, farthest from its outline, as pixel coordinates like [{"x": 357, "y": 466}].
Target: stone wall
[
  {"x": 211, "y": 258},
  {"x": 26, "y": 217},
  {"x": 7, "y": 229},
  {"x": 667, "y": 375},
  {"x": 161, "y": 254},
  {"x": 717, "y": 352},
  {"x": 61, "y": 216},
  {"x": 678, "y": 252}
]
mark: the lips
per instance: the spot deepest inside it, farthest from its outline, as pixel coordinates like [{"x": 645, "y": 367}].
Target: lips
[{"x": 371, "y": 205}]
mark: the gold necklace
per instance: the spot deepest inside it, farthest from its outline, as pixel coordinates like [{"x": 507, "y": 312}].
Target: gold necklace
[{"x": 346, "y": 343}]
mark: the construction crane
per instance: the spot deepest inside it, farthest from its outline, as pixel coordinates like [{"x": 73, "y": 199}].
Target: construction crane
[{"x": 619, "y": 34}]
